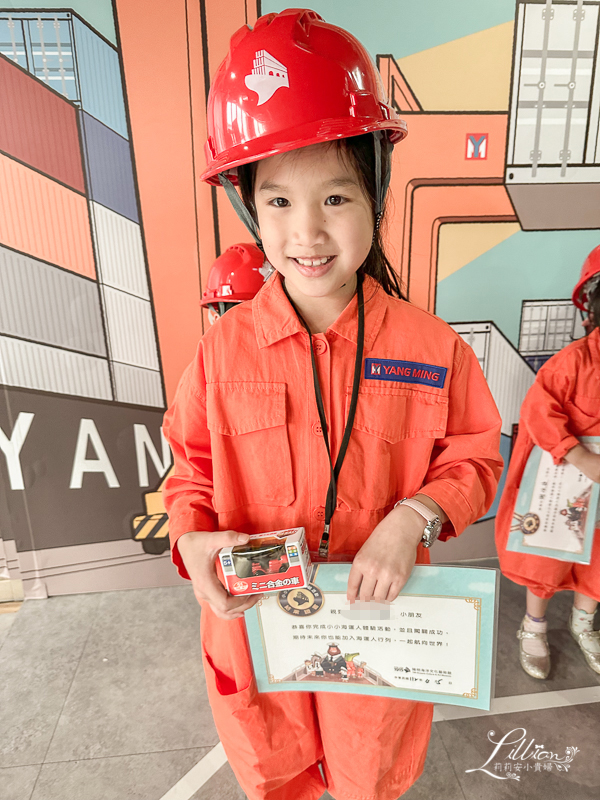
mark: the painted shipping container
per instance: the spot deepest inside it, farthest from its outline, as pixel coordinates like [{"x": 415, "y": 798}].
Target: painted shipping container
[
  {"x": 107, "y": 158},
  {"x": 38, "y": 127},
  {"x": 547, "y": 326},
  {"x": 138, "y": 386},
  {"x": 43, "y": 303},
  {"x": 553, "y": 153},
  {"x": 66, "y": 53},
  {"x": 131, "y": 336},
  {"x": 508, "y": 375},
  {"x": 119, "y": 251},
  {"x": 35, "y": 366},
  {"x": 45, "y": 219}
]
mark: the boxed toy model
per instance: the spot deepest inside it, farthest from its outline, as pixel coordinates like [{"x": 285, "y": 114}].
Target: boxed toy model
[{"x": 269, "y": 562}]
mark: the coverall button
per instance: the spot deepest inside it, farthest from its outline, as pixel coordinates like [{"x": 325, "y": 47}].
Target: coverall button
[
  {"x": 320, "y": 347},
  {"x": 320, "y": 513},
  {"x": 317, "y": 429}
]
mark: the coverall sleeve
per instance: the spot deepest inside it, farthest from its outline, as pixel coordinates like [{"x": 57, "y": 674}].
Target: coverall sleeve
[
  {"x": 543, "y": 412},
  {"x": 188, "y": 491},
  {"x": 466, "y": 464}
]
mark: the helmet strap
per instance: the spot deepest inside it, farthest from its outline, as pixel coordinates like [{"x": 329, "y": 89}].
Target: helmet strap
[
  {"x": 381, "y": 181},
  {"x": 240, "y": 209}
]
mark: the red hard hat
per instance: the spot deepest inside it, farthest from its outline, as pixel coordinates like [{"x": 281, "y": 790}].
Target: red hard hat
[
  {"x": 235, "y": 275},
  {"x": 292, "y": 81},
  {"x": 591, "y": 267}
]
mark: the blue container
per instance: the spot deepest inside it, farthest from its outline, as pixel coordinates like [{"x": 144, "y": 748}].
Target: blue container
[
  {"x": 107, "y": 159},
  {"x": 99, "y": 73}
]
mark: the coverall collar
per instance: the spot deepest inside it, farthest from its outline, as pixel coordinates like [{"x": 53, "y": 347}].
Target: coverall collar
[{"x": 275, "y": 320}]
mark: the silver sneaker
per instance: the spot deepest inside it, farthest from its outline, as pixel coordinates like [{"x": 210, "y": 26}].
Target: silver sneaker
[
  {"x": 584, "y": 640},
  {"x": 536, "y": 666}
]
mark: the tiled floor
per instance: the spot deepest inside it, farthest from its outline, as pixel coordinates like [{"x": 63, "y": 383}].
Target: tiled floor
[{"x": 102, "y": 698}]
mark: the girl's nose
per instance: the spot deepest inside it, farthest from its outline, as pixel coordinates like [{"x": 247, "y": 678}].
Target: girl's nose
[{"x": 309, "y": 226}]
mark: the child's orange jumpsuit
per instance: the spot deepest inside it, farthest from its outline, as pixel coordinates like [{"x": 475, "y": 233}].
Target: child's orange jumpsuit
[
  {"x": 562, "y": 404},
  {"x": 249, "y": 456}
]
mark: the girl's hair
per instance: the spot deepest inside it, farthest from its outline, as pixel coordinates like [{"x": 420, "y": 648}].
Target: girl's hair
[
  {"x": 594, "y": 307},
  {"x": 360, "y": 153}
]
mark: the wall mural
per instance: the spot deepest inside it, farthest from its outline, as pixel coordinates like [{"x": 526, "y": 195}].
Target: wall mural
[{"x": 106, "y": 235}]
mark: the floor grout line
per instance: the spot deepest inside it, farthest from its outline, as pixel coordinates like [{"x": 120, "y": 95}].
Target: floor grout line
[
  {"x": 68, "y": 692},
  {"x": 187, "y": 786},
  {"x": 452, "y": 765},
  {"x": 512, "y": 704}
]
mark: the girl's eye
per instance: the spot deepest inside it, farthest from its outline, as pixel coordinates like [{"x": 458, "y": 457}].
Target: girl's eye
[
  {"x": 334, "y": 200},
  {"x": 279, "y": 202}
]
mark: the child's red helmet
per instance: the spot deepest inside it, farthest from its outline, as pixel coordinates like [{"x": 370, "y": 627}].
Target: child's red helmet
[
  {"x": 591, "y": 267},
  {"x": 292, "y": 81},
  {"x": 235, "y": 276}
]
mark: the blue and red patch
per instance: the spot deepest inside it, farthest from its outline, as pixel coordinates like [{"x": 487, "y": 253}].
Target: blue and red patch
[{"x": 388, "y": 369}]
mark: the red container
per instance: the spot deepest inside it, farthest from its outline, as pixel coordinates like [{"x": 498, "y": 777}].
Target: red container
[{"x": 39, "y": 127}]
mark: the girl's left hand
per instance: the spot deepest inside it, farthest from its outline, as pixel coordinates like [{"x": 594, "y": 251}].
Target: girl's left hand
[{"x": 384, "y": 562}]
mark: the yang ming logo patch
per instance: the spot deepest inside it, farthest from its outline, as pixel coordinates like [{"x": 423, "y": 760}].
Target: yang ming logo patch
[{"x": 388, "y": 369}]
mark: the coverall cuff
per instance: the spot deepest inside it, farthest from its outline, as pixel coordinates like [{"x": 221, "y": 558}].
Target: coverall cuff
[
  {"x": 180, "y": 525},
  {"x": 561, "y": 449},
  {"x": 454, "y": 503}
]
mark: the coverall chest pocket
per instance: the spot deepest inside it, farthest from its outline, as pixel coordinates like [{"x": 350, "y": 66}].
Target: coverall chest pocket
[
  {"x": 391, "y": 444},
  {"x": 249, "y": 442},
  {"x": 584, "y": 414}
]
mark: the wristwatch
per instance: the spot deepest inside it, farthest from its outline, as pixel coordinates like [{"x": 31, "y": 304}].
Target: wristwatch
[{"x": 434, "y": 524}]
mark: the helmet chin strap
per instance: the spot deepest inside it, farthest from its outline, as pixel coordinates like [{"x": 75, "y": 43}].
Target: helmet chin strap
[
  {"x": 381, "y": 182},
  {"x": 240, "y": 208}
]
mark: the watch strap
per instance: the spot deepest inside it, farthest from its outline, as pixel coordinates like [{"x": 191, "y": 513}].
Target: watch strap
[{"x": 427, "y": 514}]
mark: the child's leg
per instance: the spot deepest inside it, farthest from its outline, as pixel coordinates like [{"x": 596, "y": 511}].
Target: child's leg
[
  {"x": 272, "y": 740},
  {"x": 374, "y": 748},
  {"x": 581, "y": 626},
  {"x": 534, "y": 652}
]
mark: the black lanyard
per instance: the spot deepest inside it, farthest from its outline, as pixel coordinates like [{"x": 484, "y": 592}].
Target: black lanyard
[{"x": 331, "y": 500}]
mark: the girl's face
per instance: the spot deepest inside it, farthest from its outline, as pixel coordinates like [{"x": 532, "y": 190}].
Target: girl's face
[{"x": 315, "y": 221}]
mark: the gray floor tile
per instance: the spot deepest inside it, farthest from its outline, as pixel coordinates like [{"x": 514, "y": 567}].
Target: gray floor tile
[
  {"x": 140, "y": 684},
  {"x": 141, "y": 777},
  {"x": 556, "y": 729},
  {"x": 569, "y": 670},
  {"x": 37, "y": 664},
  {"x": 438, "y": 774},
  {"x": 222, "y": 786},
  {"x": 6, "y": 621},
  {"x": 17, "y": 782}
]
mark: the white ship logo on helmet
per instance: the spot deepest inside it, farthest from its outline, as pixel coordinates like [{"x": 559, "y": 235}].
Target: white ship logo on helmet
[{"x": 267, "y": 76}]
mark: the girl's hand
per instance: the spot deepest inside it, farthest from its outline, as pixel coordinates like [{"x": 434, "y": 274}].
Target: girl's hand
[
  {"x": 199, "y": 550},
  {"x": 585, "y": 461},
  {"x": 384, "y": 562}
]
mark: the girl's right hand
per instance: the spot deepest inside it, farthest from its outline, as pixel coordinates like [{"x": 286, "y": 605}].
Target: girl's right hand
[
  {"x": 199, "y": 551},
  {"x": 585, "y": 461}
]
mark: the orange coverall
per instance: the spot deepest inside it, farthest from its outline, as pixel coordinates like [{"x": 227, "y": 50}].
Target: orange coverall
[
  {"x": 249, "y": 456},
  {"x": 562, "y": 404}
]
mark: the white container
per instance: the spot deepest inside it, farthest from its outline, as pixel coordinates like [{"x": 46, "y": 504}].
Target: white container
[
  {"x": 50, "y": 369},
  {"x": 553, "y": 151},
  {"x": 508, "y": 375}
]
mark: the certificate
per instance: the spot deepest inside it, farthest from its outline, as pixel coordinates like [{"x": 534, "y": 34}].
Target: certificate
[
  {"x": 556, "y": 510},
  {"x": 434, "y": 643}
]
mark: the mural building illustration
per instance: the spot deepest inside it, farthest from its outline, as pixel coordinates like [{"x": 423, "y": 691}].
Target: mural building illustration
[{"x": 107, "y": 235}]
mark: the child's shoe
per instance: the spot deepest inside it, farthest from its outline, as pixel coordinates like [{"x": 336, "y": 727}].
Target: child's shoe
[
  {"x": 581, "y": 625},
  {"x": 534, "y": 651}
]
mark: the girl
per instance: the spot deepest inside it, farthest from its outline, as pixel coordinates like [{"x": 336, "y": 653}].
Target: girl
[
  {"x": 324, "y": 368},
  {"x": 562, "y": 405}
]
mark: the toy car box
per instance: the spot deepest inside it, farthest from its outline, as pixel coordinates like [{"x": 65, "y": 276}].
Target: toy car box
[{"x": 269, "y": 562}]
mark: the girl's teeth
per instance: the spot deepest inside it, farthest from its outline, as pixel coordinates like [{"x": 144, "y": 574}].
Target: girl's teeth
[{"x": 308, "y": 262}]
